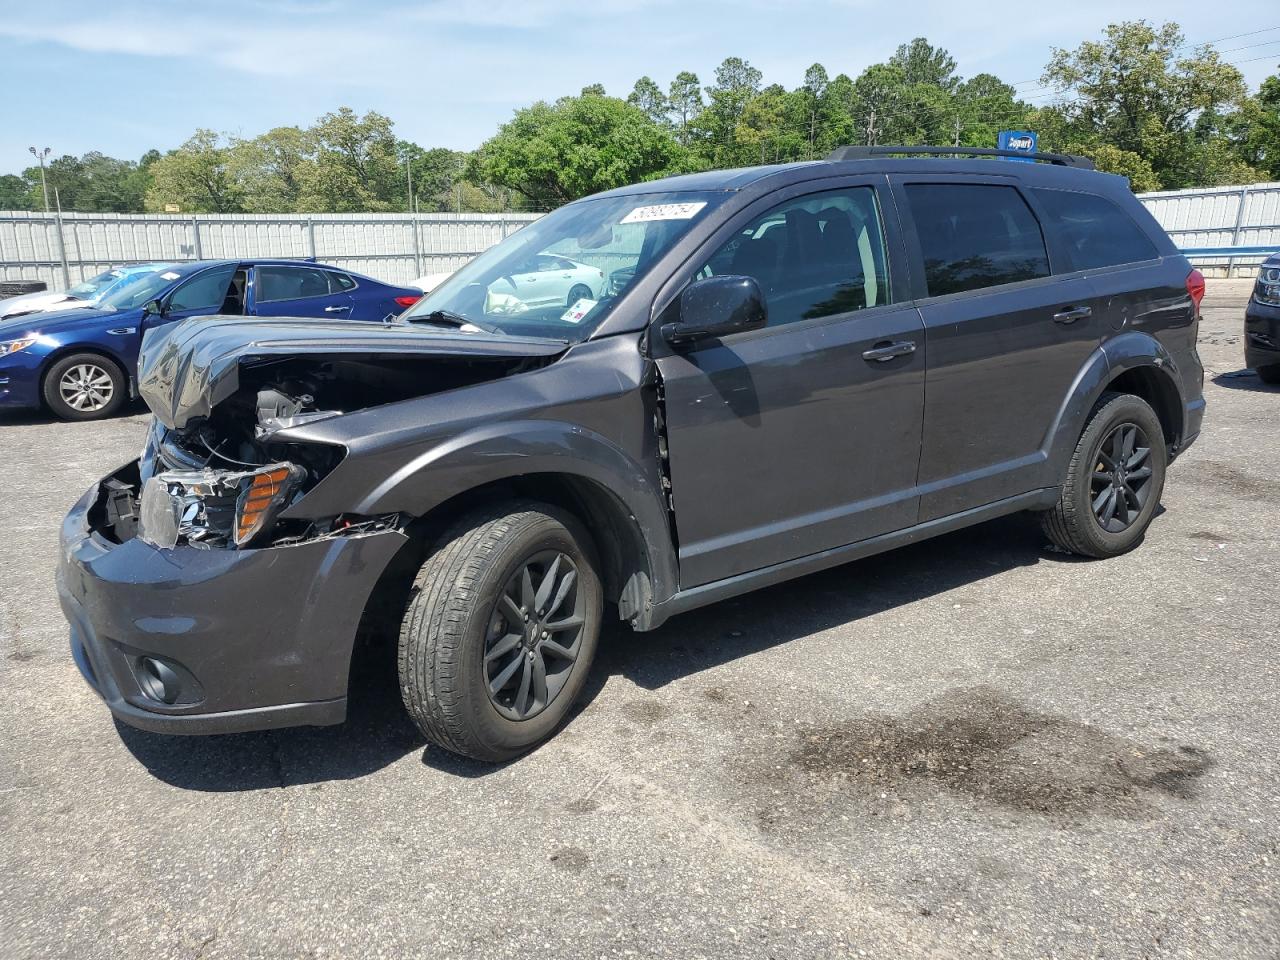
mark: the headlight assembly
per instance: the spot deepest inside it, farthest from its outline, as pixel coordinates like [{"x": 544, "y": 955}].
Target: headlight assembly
[
  {"x": 214, "y": 507},
  {"x": 1268, "y": 288},
  {"x": 13, "y": 346}
]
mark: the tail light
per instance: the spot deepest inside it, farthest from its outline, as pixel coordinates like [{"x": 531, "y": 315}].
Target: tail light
[
  {"x": 1195, "y": 288},
  {"x": 410, "y": 299}
]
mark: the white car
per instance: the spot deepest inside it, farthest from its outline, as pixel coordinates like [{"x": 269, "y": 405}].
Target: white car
[
  {"x": 430, "y": 281},
  {"x": 84, "y": 293},
  {"x": 547, "y": 279}
]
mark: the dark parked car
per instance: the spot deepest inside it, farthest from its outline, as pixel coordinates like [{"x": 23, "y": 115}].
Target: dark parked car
[
  {"x": 790, "y": 367},
  {"x": 81, "y": 362},
  {"x": 1262, "y": 323}
]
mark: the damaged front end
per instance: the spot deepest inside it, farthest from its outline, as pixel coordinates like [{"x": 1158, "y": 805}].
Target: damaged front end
[{"x": 220, "y": 466}]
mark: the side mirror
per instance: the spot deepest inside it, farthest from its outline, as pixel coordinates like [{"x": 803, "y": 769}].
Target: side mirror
[
  {"x": 153, "y": 308},
  {"x": 717, "y": 307}
]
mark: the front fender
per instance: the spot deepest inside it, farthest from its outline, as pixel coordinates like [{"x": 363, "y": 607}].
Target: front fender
[
  {"x": 1128, "y": 351},
  {"x": 521, "y": 448}
]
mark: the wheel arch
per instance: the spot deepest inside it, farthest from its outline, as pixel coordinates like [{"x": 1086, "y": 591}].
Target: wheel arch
[
  {"x": 66, "y": 350},
  {"x": 1133, "y": 363},
  {"x": 616, "y": 498}
]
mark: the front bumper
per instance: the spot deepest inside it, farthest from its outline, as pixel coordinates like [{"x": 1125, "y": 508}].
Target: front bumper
[
  {"x": 256, "y": 638},
  {"x": 20, "y": 378},
  {"x": 1261, "y": 334}
]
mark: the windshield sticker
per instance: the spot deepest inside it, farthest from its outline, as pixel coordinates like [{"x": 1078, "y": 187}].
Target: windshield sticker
[
  {"x": 170, "y": 276},
  {"x": 579, "y": 310},
  {"x": 664, "y": 211}
]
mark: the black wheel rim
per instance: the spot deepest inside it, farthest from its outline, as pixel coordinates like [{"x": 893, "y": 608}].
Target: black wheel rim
[
  {"x": 534, "y": 635},
  {"x": 1121, "y": 477}
]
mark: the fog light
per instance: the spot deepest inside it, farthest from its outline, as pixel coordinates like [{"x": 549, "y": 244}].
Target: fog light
[{"x": 158, "y": 681}]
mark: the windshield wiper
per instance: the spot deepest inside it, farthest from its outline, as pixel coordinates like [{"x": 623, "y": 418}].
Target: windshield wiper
[{"x": 447, "y": 318}]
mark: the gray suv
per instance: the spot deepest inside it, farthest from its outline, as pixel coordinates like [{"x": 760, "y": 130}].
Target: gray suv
[{"x": 780, "y": 369}]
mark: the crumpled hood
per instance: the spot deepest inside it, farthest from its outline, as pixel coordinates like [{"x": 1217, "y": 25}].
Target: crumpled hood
[
  {"x": 28, "y": 303},
  {"x": 187, "y": 368}
]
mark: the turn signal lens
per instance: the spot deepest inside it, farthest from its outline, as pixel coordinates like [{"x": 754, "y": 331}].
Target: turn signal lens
[{"x": 260, "y": 499}]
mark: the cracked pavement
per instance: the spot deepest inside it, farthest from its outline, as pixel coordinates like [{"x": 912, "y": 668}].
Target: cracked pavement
[{"x": 971, "y": 747}]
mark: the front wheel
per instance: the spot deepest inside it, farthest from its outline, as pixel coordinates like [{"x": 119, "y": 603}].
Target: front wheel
[
  {"x": 500, "y": 630},
  {"x": 580, "y": 291},
  {"x": 85, "y": 386},
  {"x": 1114, "y": 482}
]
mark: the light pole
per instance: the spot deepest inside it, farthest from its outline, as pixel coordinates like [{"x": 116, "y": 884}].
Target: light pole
[{"x": 40, "y": 156}]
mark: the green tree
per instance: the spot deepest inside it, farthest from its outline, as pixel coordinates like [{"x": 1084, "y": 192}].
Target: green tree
[
  {"x": 736, "y": 83},
  {"x": 648, "y": 96},
  {"x": 684, "y": 98},
  {"x": 551, "y": 154},
  {"x": 984, "y": 105},
  {"x": 197, "y": 176},
  {"x": 15, "y": 193},
  {"x": 761, "y": 126},
  {"x": 269, "y": 170},
  {"x": 923, "y": 63},
  {"x": 356, "y": 167},
  {"x": 1255, "y": 129},
  {"x": 1135, "y": 90}
]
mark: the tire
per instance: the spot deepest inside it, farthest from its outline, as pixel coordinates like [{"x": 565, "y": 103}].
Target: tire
[
  {"x": 1269, "y": 374},
  {"x": 580, "y": 291},
  {"x": 1073, "y": 523},
  {"x": 457, "y": 619},
  {"x": 105, "y": 383}
]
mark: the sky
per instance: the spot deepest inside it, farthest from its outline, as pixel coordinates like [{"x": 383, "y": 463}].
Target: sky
[{"x": 123, "y": 76}]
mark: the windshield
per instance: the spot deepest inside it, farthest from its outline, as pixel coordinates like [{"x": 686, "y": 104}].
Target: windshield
[
  {"x": 88, "y": 289},
  {"x": 560, "y": 276},
  {"x": 136, "y": 289}
]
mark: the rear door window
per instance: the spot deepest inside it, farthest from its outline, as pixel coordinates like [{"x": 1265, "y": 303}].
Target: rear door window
[
  {"x": 290, "y": 283},
  {"x": 1095, "y": 231},
  {"x": 975, "y": 235},
  {"x": 814, "y": 256}
]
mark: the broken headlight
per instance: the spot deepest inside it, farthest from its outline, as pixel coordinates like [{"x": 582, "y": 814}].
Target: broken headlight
[{"x": 214, "y": 507}]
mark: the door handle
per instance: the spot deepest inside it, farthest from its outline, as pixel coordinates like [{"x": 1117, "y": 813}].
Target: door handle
[
  {"x": 1072, "y": 314},
  {"x": 335, "y": 309},
  {"x": 882, "y": 352}
]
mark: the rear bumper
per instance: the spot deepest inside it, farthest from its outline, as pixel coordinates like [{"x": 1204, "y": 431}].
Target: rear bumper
[
  {"x": 1261, "y": 334},
  {"x": 253, "y": 639}
]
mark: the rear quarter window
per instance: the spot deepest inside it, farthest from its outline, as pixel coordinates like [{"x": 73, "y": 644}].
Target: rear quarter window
[{"x": 1095, "y": 231}]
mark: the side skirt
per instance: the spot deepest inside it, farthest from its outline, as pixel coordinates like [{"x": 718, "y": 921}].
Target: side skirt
[{"x": 708, "y": 593}]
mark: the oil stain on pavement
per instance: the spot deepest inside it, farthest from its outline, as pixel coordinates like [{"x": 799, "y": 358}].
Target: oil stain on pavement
[{"x": 977, "y": 743}]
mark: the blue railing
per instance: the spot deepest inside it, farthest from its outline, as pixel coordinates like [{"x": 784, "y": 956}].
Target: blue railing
[{"x": 1228, "y": 251}]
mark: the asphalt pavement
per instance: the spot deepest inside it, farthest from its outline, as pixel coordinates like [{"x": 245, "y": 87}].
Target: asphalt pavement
[{"x": 972, "y": 747}]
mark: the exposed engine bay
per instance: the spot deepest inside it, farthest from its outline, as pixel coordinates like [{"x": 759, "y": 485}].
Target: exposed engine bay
[{"x": 222, "y": 480}]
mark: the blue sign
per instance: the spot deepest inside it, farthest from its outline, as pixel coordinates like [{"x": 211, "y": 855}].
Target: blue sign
[{"x": 1023, "y": 141}]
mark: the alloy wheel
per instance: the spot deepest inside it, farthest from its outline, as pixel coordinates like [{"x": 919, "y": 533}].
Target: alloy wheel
[
  {"x": 86, "y": 387},
  {"x": 1121, "y": 477},
  {"x": 534, "y": 635}
]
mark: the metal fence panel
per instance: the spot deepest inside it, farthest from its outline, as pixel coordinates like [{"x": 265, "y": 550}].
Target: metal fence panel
[
  {"x": 397, "y": 247},
  {"x": 1244, "y": 216}
]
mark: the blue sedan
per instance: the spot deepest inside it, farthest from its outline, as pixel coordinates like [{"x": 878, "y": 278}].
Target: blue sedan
[{"x": 81, "y": 363}]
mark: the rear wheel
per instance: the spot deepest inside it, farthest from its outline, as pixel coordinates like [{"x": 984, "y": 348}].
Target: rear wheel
[
  {"x": 1269, "y": 373},
  {"x": 85, "y": 386},
  {"x": 500, "y": 630},
  {"x": 580, "y": 291},
  {"x": 1114, "y": 481}
]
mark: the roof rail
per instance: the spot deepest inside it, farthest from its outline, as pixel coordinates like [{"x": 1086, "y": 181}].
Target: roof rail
[{"x": 864, "y": 153}]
